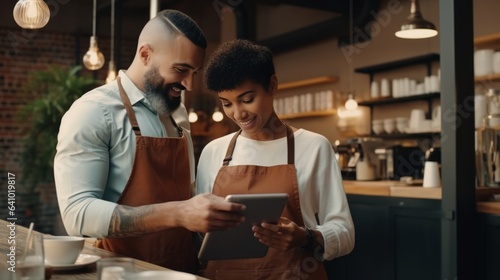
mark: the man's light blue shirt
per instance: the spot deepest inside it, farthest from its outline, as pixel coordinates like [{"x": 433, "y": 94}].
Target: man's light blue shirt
[{"x": 95, "y": 154}]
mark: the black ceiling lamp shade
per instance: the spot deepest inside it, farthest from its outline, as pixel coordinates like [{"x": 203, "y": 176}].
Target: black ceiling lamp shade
[{"x": 416, "y": 26}]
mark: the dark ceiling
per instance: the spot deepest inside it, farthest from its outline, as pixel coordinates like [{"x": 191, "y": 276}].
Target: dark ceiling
[
  {"x": 76, "y": 17},
  {"x": 203, "y": 12}
]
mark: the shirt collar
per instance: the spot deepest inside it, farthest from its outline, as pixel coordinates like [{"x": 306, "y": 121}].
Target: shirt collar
[{"x": 134, "y": 94}]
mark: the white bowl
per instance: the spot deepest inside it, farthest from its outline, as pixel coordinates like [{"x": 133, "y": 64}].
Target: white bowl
[
  {"x": 389, "y": 125},
  {"x": 377, "y": 126},
  {"x": 402, "y": 124},
  {"x": 62, "y": 249}
]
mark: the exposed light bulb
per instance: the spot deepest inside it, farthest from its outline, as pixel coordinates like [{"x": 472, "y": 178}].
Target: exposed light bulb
[
  {"x": 217, "y": 116},
  {"x": 111, "y": 72},
  {"x": 93, "y": 59},
  {"x": 31, "y": 14},
  {"x": 193, "y": 117},
  {"x": 351, "y": 104}
]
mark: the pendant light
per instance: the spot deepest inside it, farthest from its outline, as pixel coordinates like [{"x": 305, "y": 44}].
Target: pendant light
[
  {"x": 351, "y": 104},
  {"x": 416, "y": 26},
  {"x": 217, "y": 116},
  {"x": 31, "y": 14},
  {"x": 93, "y": 59},
  {"x": 112, "y": 69},
  {"x": 192, "y": 117}
]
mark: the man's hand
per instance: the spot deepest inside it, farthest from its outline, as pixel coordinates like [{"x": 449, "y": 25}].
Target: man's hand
[
  {"x": 207, "y": 212},
  {"x": 202, "y": 213}
]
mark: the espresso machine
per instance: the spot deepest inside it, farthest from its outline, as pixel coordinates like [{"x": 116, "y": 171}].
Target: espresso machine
[
  {"x": 356, "y": 158},
  {"x": 347, "y": 154}
]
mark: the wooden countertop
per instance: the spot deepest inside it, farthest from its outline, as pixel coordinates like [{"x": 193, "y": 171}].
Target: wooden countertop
[
  {"x": 398, "y": 189},
  {"x": 390, "y": 188},
  {"x": 489, "y": 207},
  {"x": 88, "y": 272}
]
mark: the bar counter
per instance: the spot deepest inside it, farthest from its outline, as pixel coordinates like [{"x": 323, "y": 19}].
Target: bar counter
[
  {"x": 398, "y": 189},
  {"x": 87, "y": 272}
]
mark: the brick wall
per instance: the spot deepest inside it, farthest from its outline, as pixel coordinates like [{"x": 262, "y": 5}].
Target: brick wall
[{"x": 22, "y": 51}]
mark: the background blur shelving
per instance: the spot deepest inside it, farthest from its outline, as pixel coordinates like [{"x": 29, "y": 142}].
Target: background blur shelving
[
  {"x": 306, "y": 83},
  {"x": 417, "y": 135},
  {"x": 425, "y": 60},
  {"x": 392, "y": 100},
  {"x": 321, "y": 113},
  {"x": 488, "y": 41}
]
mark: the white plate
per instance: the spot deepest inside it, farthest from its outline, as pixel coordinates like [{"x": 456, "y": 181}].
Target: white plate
[
  {"x": 164, "y": 274},
  {"x": 83, "y": 260}
]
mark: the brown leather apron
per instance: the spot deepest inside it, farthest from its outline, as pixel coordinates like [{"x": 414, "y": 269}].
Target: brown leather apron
[
  {"x": 292, "y": 264},
  {"x": 160, "y": 174}
]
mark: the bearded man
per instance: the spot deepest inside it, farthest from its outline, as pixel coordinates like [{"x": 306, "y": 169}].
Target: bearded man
[{"x": 124, "y": 167}]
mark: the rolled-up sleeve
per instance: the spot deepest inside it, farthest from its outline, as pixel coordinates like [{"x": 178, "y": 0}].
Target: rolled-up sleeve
[{"x": 81, "y": 169}]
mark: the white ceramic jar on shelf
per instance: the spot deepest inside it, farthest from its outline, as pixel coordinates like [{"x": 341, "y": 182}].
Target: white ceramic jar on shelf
[
  {"x": 496, "y": 62},
  {"x": 483, "y": 62}
]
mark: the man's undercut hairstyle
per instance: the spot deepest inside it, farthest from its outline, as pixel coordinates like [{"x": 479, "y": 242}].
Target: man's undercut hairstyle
[
  {"x": 180, "y": 23},
  {"x": 236, "y": 62}
]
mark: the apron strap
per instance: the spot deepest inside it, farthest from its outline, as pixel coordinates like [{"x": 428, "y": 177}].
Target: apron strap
[
  {"x": 128, "y": 106},
  {"x": 179, "y": 129},
  {"x": 230, "y": 149},
  {"x": 290, "y": 147}
]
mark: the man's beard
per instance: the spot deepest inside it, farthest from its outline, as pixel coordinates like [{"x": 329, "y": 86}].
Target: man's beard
[{"x": 157, "y": 94}]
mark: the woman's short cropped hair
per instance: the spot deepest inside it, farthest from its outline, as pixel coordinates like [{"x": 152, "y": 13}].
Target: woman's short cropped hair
[{"x": 236, "y": 62}]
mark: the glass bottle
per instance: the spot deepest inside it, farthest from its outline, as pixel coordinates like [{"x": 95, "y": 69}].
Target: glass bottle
[{"x": 488, "y": 143}]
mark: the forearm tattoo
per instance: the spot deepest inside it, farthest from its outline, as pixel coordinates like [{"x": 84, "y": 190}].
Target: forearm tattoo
[{"x": 128, "y": 221}]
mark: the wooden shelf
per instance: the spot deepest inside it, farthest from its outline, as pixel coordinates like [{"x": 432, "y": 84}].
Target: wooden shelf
[
  {"x": 487, "y": 40},
  {"x": 418, "y": 135},
  {"x": 308, "y": 82},
  {"x": 309, "y": 114},
  {"x": 423, "y": 59},
  {"x": 391, "y": 100},
  {"x": 488, "y": 78}
]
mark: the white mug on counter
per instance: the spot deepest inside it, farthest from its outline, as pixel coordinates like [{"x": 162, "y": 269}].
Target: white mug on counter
[{"x": 365, "y": 171}]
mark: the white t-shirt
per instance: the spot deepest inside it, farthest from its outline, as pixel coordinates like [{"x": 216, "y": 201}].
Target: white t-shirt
[{"x": 318, "y": 175}]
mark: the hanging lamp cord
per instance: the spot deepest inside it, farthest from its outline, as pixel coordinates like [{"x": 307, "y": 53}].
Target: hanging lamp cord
[
  {"x": 112, "y": 30},
  {"x": 94, "y": 18},
  {"x": 351, "y": 27}
]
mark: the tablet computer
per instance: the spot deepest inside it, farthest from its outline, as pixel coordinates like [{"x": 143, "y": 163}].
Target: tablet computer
[{"x": 239, "y": 242}]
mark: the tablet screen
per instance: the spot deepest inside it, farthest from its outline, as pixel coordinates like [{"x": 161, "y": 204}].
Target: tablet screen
[{"x": 239, "y": 242}]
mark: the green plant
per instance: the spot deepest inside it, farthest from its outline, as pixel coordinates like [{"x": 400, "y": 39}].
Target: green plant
[{"x": 49, "y": 94}]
